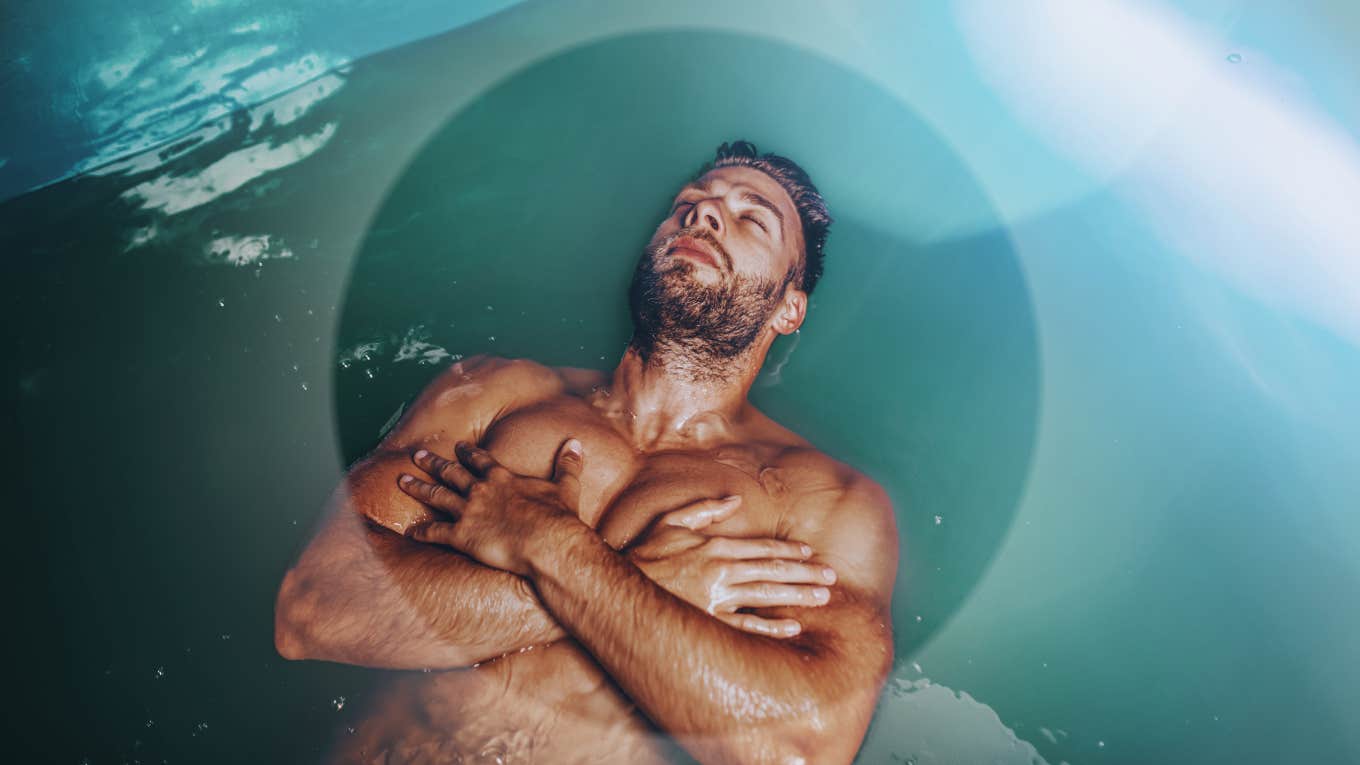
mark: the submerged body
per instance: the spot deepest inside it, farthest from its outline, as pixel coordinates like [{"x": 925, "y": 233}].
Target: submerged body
[
  {"x": 615, "y": 562},
  {"x": 554, "y": 703}
]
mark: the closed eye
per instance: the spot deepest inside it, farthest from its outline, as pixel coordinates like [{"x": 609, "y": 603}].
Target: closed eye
[{"x": 756, "y": 221}]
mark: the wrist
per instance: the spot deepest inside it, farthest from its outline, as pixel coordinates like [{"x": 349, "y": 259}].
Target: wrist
[{"x": 551, "y": 545}]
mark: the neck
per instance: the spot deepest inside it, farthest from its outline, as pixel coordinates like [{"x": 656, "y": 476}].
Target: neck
[{"x": 662, "y": 399}]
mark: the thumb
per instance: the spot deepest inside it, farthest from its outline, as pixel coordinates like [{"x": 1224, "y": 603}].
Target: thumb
[
  {"x": 704, "y": 513},
  {"x": 567, "y": 472}
]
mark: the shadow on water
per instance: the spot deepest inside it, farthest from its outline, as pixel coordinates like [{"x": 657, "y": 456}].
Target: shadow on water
[{"x": 514, "y": 230}]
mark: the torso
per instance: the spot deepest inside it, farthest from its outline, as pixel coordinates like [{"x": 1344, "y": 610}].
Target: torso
[{"x": 554, "y": 703}]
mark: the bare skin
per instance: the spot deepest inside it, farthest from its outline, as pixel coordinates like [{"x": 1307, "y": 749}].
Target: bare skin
[{"x": 616, "y": 554}]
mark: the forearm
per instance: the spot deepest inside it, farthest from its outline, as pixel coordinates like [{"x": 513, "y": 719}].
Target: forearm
[
  {"x": 366, "y": 596},
  {"x": 728, "y": 695}
]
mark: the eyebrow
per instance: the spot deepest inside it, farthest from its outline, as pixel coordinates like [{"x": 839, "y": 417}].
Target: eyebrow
[
  {"x": 746, "y": 196},
  {"x": 756, "y": 199}
]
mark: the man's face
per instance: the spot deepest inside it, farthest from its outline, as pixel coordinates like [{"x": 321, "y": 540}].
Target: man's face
[{"x": 715, "y": 271}]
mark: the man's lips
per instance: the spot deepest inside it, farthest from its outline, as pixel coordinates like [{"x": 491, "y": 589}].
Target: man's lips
[{"x": 695, "y": 250}]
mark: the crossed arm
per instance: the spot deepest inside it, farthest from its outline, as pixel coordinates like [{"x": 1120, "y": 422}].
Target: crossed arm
[
  {"x": 727, "y": 695},
  {"x": 361, "y": 594}
]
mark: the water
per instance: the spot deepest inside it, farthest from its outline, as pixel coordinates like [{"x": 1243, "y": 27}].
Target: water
[{"x": 1121, "y": 479}]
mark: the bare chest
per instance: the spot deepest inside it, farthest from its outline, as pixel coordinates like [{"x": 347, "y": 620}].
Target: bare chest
[{"x": 623, "y": 490}]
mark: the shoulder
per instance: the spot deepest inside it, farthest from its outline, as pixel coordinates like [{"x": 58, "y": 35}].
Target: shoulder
[
  {"x": 843, "y": 514},
  {"x": 462, "y": 400}
]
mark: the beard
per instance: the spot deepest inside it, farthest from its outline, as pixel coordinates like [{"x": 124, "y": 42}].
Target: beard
[{"x": 690, "y": 326}]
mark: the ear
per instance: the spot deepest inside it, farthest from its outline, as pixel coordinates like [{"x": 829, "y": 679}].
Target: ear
[{"x": 791, "y": 312}]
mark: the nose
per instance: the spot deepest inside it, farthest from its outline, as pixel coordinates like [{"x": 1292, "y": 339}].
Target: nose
[{"x": 705, "y": 213}]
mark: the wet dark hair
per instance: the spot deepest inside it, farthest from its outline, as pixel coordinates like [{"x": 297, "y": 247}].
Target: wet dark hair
[{"x": 795, "y": 181}]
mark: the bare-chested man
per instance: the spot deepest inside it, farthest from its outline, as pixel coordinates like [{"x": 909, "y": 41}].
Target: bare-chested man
[{"x": 592, "y": 559}]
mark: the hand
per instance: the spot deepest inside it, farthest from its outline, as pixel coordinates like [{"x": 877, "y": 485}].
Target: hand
[
  {"x": 494, "y": 512},
  {"x": 722, "y": 575}
]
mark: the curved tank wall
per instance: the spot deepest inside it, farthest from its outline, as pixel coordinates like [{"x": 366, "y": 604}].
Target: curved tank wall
[{"x": 1091, "y": 314}]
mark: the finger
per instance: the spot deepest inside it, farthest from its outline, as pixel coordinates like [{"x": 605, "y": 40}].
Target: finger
[
  {"x": 766, "y": 594},
  {"x": 781, "y": 570},
  {"x": 705, "y": 512},
  {"x": 449, "y": 472},
  {"x": 567, "y": 472},
  {"x": 436, "y": 533},
  {"x": 777, "y": 628},
  {"x": 668, "y": 542},
  {"x": 742, "y": 548},
  {"x": 434, "y": 495},
  {"x": 478, "y": 460}
]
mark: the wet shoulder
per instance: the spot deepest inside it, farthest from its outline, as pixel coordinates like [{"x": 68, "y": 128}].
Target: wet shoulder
[{"x": 463, "y": 400}]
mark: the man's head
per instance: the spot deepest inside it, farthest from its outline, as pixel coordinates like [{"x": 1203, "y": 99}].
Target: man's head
[{"x": 738, "y": 253}]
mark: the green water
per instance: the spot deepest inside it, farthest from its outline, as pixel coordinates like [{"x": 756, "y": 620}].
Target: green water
[{"x": 1124, "y": 536}]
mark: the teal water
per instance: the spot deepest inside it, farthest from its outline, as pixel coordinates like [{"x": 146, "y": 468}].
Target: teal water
[{"x": 1125, "y": 481}]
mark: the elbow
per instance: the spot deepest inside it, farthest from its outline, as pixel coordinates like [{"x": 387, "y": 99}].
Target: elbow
[{"x": 292, "y": 619}]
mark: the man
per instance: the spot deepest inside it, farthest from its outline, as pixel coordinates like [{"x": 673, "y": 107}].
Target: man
[{"x": 604, "y": 558}]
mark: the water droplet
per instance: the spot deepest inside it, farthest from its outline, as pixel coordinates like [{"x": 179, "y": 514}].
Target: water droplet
[
  {"x": 492, "y": 338},
  {"x": 1100, "y": 744},
  {"x": 1234, "y": 58},
  {"x": 939, "y": 519},
  {"x": 304, "y": 386},
  {"x": 489, "y": 308},
  {"x": 369, "y": 373},
  {"x": 160, "y": 672},
  {"x": 150, "y": 723},
  {"x": 295, "y": 368},
  {"x": 277, "y": 319},
  {"x": 226, "y": 636},
  {"x": 349, "y": 730},
  {"x": 344, "y": 363},
  {"x": 918, "y": 617},
  {"x": 338, "y": 702},
  {"x": 200, "y": 728},
  {"x": 221, "y": 303},
  {"x": 309, "y": 312}
]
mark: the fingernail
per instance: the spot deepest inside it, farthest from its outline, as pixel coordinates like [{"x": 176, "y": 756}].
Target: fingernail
[
  {"x": 829, "y": 575},
  {"x": 422, "y": 454},
  {"x": 806, "y": 551},
  {"x": 573, "y": 445},
  {"x": 822, "y": 594},
  {"x": 405, "y": 479},
  {"x": 793, "y": 629}
]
